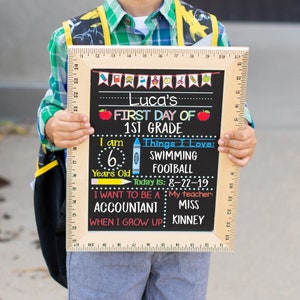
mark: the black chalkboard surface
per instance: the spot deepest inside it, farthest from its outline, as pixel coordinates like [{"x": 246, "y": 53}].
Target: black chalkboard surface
[
  {"x": 145, "y": 134},
  {"x": 152, "y": 168}
]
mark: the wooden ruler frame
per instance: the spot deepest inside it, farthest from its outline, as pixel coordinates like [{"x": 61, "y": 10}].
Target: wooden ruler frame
[{"x": 81, "y": 60}]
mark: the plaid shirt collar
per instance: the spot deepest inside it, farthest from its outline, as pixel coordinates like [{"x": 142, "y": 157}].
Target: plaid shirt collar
[{"x": 115, "y": 13}]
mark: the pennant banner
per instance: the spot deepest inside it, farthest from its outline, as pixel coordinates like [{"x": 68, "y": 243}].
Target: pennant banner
[
  {"x": 206, "y": 79},
  {"x": 155, "y": 81},
  {"x": 116, "y": 79},
  {"x": 180, "y": 80},
  {"x": 193, "y": 80},
  {"x": 167, "y": 81},
  {"x": 142, "y": 80},
  {"x": 129, "y": 80},
  {"x": 103, "y": 78}
]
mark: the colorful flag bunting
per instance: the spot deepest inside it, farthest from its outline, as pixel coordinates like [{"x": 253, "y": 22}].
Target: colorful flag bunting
[
  {"x": 180, "y": 80},
  {"x": 193, "y": 80},
  {"x": 155, "y": 81},
  {"x": 103, "y": 78},
  {"x": 116, "y": 79},
  {"x": 142, "y": 81},
  {"x": 206, "y": 79},
  {"x": 129, "y": 80},
  {"x": 167, "y": 81}
]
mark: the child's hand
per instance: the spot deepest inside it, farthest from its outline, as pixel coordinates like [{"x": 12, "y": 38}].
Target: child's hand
[
  {"x": 66, "y": 129},
  {"x": 239, "y": 145}
]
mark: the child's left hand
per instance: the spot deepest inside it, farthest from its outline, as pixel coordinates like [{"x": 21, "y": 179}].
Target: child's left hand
[{"x": 239, "y": 144}]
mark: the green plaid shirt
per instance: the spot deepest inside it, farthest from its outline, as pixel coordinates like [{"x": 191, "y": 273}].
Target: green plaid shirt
[
  {"x": 161, "y": 25},
  {"x": 162, "y": 31}
]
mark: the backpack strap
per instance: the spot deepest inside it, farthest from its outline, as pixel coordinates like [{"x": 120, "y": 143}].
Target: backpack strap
[
  {"x": 104, "y": 23},
  {"x": 68, "y": 35},
  {"x": 179, "y": 23},
  {"x": 215, "y": 30},
  {"x": 90, "y": 28},
  {"x": 194, "y": 24}
]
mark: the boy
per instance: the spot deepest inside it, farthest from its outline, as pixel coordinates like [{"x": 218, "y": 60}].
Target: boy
[{"x": 148, "y": 275}]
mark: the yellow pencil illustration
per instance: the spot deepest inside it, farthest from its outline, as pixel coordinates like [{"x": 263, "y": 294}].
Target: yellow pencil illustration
[{"x": 109, "y": 181}]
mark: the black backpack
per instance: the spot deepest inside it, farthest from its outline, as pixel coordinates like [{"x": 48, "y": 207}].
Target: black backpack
[{"x": 50, "y": 210}]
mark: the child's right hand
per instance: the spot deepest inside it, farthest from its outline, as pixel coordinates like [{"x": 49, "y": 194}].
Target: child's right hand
[{"x": 66, "y": 129}]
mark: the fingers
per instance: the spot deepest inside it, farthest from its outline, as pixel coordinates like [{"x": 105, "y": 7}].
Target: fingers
[
  {"x": 239, "y": 145},
  {"x": 67, "y": 140},
  {"x": 66, "y": 129},
  {"x": 67, "y": 119},
  {"x": 241, "y": 162}
]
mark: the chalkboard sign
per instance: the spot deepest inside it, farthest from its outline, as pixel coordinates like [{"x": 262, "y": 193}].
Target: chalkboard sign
[{"x": 150, "y": 178}]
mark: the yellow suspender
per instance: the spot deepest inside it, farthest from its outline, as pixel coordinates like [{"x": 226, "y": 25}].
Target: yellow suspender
[
  {"x": 179, "y": 23},
  {"x": 68, "y": 35},
  {"x": 215, "y": 30},
  {"x": 104, "y": 24}
]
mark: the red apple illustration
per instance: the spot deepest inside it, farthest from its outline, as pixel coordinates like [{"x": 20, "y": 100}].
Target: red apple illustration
[
  {"x": 203, "y": 115},
  {"x": 105, "y": 114}
]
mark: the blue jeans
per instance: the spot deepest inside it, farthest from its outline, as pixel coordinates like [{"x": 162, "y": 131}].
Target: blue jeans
[{"x": 137, "y": 275}]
